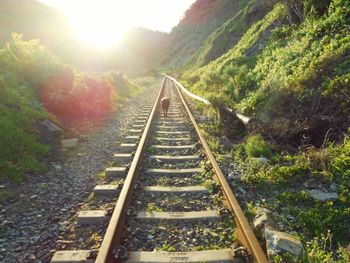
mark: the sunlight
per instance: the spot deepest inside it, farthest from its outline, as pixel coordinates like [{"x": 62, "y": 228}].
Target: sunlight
[{"x": 101, "y": 24}]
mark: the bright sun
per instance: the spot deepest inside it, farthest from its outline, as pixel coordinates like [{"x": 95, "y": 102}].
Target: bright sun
[{"x": 101, "y": 23}]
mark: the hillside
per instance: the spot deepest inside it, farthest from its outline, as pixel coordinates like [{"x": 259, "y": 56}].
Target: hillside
[
  {"x": 289, "y": 71},
  {"x": 230, "y": 32},
  {"x": 135, "y": 53},
  {"x": 138, "y": 52},
  {"x": 26, "y": 17},
  {"x": 35, "y": 86},
  {"x": 253, "y": 75},
  {"x": 199, "y": 21}
]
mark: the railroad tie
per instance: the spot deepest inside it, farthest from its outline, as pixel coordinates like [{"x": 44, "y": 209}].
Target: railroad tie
[
  {"x": 131, "y": 139},
  {"x": 128, "y": 147},
  {"x": 106, "y": 189},
  {"x": 175, "y": 159},
  {"x": 92, "y": 217},
  {"x": 164, "y": 171},
  {"x": 119, "y": 172},
  {"x": 123, "y": 157}
]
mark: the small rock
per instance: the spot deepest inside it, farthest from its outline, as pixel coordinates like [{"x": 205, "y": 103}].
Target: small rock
[
  {"x": 262, "y": 220},
  {"x": 57, "y": 167},
  {"x": 312, "y": 183},
  {"x": 278, "y": 243},
  {"x": 69, "y": 143},
  {"x": 33, "y": 196},
  {"x": 333, "y": 187},
  {"x": 322, "y": 196},
  {"x": 150, "y": 237},
  {"x": 231, "y": 176}
]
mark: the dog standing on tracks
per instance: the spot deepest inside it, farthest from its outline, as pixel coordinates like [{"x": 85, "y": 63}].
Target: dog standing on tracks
[{"x": 165, "y": 102}]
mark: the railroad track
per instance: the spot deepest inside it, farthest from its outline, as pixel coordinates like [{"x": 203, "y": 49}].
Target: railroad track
[{"x": 175, "y": 204}]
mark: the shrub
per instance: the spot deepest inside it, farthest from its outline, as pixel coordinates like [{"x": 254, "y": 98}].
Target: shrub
[
  {"x": 33, "y": 82},
  {"x": 256, "y": 146},
  {"x": 21, "y": 152}
]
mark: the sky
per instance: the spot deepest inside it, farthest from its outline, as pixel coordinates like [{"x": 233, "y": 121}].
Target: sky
[{"x": 103, "y": 22}]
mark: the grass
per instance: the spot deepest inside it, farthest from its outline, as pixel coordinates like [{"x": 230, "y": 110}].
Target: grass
[
  {"x": 256, "y": 146},
  {"x": 221, "y": 39},
  {"x": 164, "y": 181},
  {"x": 36, "y": 85},
  {"x": 101, "y": 176},
  {"x": 151, "y": 150},
  {"x": 167, "y": 248},
  {"x": 6, "y": 195},
  {"x": 282, "y": 181},
  {"x": 301, "y": 72},
  {"x": 152, "y": 207},
  {"x": 322, "y": 226}
]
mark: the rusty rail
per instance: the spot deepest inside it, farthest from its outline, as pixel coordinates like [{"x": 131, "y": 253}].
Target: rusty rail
[
  {"x": 115, "y": 227},
  {"x": 114, "y": 231},
  {"x": 243, "y": 118},
  {"x": 247, "y": 235}
]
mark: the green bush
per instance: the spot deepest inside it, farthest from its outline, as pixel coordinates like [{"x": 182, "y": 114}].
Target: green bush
[
  {"x": 302, "y": 69},
  {"x": 21, "y": 150},
  {"x": 33, "y": 82},
  {"x": 256, "y": 146}
]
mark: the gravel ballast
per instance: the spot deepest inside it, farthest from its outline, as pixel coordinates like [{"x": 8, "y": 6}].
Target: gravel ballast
[{"x": 39, "y": 218}]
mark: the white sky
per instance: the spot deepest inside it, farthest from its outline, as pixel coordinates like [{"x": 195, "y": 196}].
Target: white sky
[{"x": 161, "y": 15}]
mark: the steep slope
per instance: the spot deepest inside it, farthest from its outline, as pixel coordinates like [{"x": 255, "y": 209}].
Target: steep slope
[
  {"x": 35, "y": 20},
  {"x": 229, "y": 33},
  {"x": 218, "y": 77},
  {"x": 199, "y": 21},
  {"x": 303, "y": 66},
  {"x": 290, "y": 72}
]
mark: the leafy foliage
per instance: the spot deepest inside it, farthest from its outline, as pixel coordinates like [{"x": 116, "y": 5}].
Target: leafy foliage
[
  {"x": 256, "y": 146},
  {"x": 293, "y": 80},
  {"x": 19, "y": 110},
  {"x": 328, "y": 166},
  {"x": 34, "y": 85}
]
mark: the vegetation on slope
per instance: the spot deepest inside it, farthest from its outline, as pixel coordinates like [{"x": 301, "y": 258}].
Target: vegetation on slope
[
  {"x": 230, "y": 32},
  {"x": 291, "y": 74},
  {"x": 303, "y": 66},
  {"x": 35, "y": 85},
  {"x": 199, "y": 21},
  {"x": 218, "y": 77}
]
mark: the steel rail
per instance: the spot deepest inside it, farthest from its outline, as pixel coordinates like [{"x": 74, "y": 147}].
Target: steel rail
[
  {"x": 249, "y": 238},
  {"x": 115, "y": 227}
]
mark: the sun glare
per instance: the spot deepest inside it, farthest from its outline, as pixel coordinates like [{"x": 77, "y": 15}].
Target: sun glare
[{"x": 101, "y": 24}]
